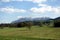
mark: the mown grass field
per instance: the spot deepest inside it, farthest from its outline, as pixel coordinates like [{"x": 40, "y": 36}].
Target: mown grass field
[{"x": 36, "y": 33}]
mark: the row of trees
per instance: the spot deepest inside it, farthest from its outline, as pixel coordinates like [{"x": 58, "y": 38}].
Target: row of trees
[{"x": 28, "y": 24}]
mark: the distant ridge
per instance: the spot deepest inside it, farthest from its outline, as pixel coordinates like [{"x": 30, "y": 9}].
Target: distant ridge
[
  {"x": 57, "y": 18},
  {"x": 31, "y": 19}
]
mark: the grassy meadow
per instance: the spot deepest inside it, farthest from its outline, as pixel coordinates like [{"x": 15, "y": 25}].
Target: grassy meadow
[{"x": 35, "y": 33}]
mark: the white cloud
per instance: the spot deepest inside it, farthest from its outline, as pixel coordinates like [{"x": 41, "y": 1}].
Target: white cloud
[
  {"x": 42, "y": 5},
  {"x": 35, "y": 1},
  {"x": 16, "y": 0},
  {"x": 10, "y": 0},
  {"x": 45, "y": 8},
  {"x": 7, "y": 10},
  {"x": 56, "y": 10},
  {"x": 38, "y": 10},
  {"x": 36, "y": 16},
  {"x": 12, "y": 10},
  {"x": 24, "y": 17},
  {"x": 5, "y": 0},
  {"x": 53, "y": 0},
  {"x": 38, "y": 1},
  {"x": 20, "y": 17},
  {"x": 27, "y": 0}
]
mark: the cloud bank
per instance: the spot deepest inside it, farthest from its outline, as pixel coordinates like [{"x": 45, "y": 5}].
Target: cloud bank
[
  {"x": 45, "y": 8},
  {"x": 12, "y": 10},
  {"x": 35, "y": 1}
]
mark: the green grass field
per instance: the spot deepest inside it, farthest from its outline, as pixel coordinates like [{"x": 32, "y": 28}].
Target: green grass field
[{"x": 36, "y": 33}]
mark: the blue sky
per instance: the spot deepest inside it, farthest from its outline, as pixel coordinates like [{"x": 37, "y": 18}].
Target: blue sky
[{"x": 11, "y": 10}]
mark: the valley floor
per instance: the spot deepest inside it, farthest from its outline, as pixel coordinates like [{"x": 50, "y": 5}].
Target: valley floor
[{"x": 35, "y": 33}]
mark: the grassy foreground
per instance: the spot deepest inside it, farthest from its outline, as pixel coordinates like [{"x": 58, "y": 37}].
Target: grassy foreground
[{"x": 36, "y": 33}]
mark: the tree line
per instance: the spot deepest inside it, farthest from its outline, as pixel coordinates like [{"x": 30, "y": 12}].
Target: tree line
[{"x": 29, "y": 24}]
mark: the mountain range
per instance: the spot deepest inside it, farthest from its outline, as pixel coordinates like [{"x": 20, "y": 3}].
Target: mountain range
[{"x": 31, "y": 19}]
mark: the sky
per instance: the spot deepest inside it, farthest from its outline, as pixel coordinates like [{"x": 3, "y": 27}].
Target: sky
[{"x": 11, "y": 10}]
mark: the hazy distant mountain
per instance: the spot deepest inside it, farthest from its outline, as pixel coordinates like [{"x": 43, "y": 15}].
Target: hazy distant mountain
[
  {"x": 58, "y": 18},
  {"x": 22, "y": 20},
  {"x": 42, "y": 18},
  {"x": 31, "y": 19}
]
